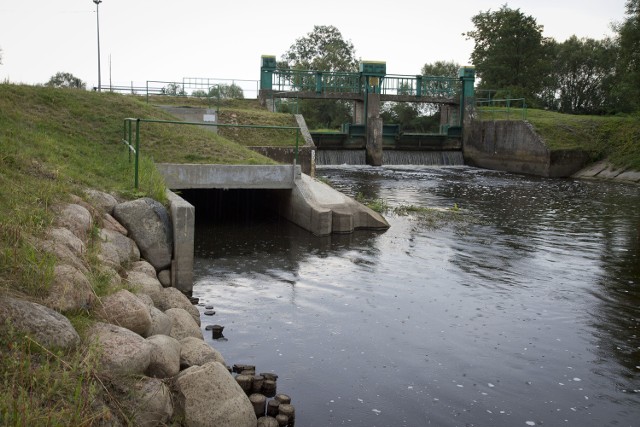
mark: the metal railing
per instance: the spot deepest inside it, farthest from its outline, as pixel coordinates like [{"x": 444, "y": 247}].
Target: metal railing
[
  {"x": 134, "y": 147},
  {"x": 353, "y": 83},
  {"x": 502, "y": 109}
]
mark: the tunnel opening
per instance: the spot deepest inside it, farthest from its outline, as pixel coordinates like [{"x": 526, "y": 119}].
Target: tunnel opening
[{"x": 234, "y": 206}]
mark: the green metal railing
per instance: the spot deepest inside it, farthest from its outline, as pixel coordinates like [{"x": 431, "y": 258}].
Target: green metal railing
[
  {"x": 134, "y": 147},
  {"x": 353, "y": 83},
  {"x": 502, "y": 109}
]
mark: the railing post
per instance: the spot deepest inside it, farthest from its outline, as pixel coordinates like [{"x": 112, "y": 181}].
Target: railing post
[
  {"x": 318, "y": 82},
  {"x": 137, "y": 158},
  {"x": 295, "y": 157}
]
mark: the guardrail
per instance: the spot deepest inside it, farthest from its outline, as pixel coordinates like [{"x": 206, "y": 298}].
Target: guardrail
[
  {"x": 127, "y": 136},
  {"x": 420, "y": 86},
  {"x": 502, "y": 109}
]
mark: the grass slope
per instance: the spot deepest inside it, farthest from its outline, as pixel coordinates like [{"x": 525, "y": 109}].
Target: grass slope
[{"x": 614, "y": 137}]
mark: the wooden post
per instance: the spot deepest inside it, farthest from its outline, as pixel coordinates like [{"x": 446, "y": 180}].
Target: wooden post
[
  {"x": 245, "y": 382},
  {"x": 283, "y": 420},
  {"x": 258, "y": 380},
  {"x": 272, "y": 407},
  {"x": 289, "y": 411},
  {"x": 259, "y": 402},
  {"x": 283, "y": 398},
  {"x": 267, "y": 422}
]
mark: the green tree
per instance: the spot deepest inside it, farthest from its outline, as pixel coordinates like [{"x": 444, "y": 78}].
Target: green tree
[
  {"x": 226, "y": 91},
  {"x": 66, "y": 80},
  {"x": 441, "y": 68},
  {"x": 174, "y": 89},
  {"x": 583, "y": 75},
  {"x": 510, "y": 52},
  {"x": 627, "y": 88},
  {"x": 323, "y": 49}
]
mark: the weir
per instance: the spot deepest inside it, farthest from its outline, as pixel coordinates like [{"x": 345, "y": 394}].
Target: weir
[{"x": 390, "y": 157}]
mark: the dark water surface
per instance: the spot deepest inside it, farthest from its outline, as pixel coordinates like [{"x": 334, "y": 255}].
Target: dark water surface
[{"x": 522, "y": 309}]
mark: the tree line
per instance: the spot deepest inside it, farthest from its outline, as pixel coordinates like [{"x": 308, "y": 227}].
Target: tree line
[{"x": 512, "y": 59}]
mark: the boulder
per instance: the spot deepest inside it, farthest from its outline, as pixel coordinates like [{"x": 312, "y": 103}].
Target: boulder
[
  {"x": 101, "y": 200},
  {"x": 196, "y": 352},
  {"x": 165, "y": 278},
  {"x": 61, "y": 252},
  {"x": 165, "y": 356},
  {"x": 173, "y": 298},
  {"x": 125, "y": 248},
  {"x": 142, "y": 283},
  {"x": 150, "y": 403},
  {"x": 65, "y": 237},
  {"x": 70, "y": 290},
  {"x": 144, "y": 267},
  {"x": 74, "y": 217},
  {"x": 122, "y": 352},
  {"x": 110, "y": 275},
  {"x": 182, "y": 324},
  {"x": 150, "y": 227},
  {"x": 209, "y": 396},
  {"x": 160, "y": 322},
  {"x": 46, "y": 326},
  {"x": 110, "y": 223},
  {"x": 124, "y": 309}
]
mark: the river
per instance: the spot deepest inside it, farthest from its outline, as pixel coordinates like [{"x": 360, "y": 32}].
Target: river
[{"x": 517, "y": 303}]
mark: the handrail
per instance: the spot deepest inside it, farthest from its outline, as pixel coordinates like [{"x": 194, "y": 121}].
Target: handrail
[
  {"x": 506, "y": 106},
  {"x": 128, "y": 132}
]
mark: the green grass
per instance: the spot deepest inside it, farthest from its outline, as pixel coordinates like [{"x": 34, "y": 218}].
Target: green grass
[
  {"x": 616, "y": 138},
  {"x": 54, "y": 143}
]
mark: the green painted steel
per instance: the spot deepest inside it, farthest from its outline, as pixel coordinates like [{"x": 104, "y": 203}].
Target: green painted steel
[{"x": 127, "y": 130}]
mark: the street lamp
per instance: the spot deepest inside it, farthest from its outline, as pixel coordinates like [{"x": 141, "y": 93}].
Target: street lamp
[{"x": 97, "y": 2}]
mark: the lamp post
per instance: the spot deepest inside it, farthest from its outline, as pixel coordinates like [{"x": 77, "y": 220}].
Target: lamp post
[{"x": 97, "y": 2}]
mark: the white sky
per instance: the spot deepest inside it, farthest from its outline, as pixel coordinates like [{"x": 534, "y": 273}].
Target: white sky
[{"x": 169, "y": 40}]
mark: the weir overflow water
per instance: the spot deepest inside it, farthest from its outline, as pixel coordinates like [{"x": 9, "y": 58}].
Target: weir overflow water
[{"x": 518, "y": 307}]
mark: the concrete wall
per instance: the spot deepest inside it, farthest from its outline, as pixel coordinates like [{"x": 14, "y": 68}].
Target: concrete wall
[
  {"x": 514, "y": 146},
  {"x": 183, "y": 219},
  {"x": 183, "y": 176}
]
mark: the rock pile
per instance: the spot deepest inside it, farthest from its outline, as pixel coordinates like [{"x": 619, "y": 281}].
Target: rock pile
[{"x": 148, "y": 335}]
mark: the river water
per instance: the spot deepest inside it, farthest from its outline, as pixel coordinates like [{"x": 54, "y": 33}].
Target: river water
[{"x": 518, "y": 307}]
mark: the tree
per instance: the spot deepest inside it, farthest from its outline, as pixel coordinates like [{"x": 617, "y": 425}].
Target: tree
[
  {"x": 510, "y": 51},
  {"x": 323, "y": 49},
  {"x": 174, "y": 89},
  {"x": 441, "y": 68},
  {"x": 583, "y": 75},
  {"x": 627, "y": 88},
  {"x": 226, "y": 91},
  {"x": 66, "y": 80}
]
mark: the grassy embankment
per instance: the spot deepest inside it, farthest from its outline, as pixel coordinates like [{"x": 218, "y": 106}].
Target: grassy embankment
[
  {"x": 616, "y": 138},
  {"x": 53, "y": 143}
]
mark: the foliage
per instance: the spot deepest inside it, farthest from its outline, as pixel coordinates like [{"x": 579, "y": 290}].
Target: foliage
[
  {"x": 226, "y": 91},
  {"x": 583, "y": 74},
  {"x": 377, "y": 205},
  {"x": 626, "y": 92},
  {"x": 441, "y": 68},
  {"x": 510, "y": 51},
  {"x": 174, "y": 89},
  {"x": 66, "y": 80},
  {"x": 322, "y": 49}
]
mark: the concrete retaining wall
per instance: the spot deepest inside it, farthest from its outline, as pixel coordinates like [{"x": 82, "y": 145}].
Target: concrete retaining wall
[
  {"x": 514, "y": 146},
  {"x": 183, "y": 219},
  {"x": 183, "y": 176}
]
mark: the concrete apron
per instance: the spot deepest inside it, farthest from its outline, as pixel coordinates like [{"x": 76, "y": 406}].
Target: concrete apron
[{"x": 310, "y": 204}]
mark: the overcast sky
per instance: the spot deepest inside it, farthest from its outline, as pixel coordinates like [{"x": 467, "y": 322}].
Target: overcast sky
[{"x": 169, "y": 40}]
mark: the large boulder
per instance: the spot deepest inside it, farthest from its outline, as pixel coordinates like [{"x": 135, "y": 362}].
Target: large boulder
[
  {"x": 144, "y": 284},
  {"x": 174, "y": 298},
  {"x": 144, "y": 267},
  {"x": 125, "y": 249},
  {"x": 150, "y": 226},
  {"x": 160, "y": 323},
  {"x": 46, "y": 326},
  {"x": 125, "y": 309},
  {"x": 70, "y": 290},
  {"x": 74, "y": 217},
  {"x": 209, "y": 396},
  {"x": 110, "y": 223},
  {"x": 165, "y": 356},
  {"x": 65, "y": 237},
  {"x": 122, "y": 352},
  {"x": 182, "y": 324},
  {"x": 61, "y": 252},
  {"x": 150, "y": 403},
  {"x": 196, "y": 352},
  {"x": 101, "y": 200}
]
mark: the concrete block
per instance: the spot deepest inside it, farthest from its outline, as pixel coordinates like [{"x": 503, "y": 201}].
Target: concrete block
[{"x": 183, "y": 219}]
